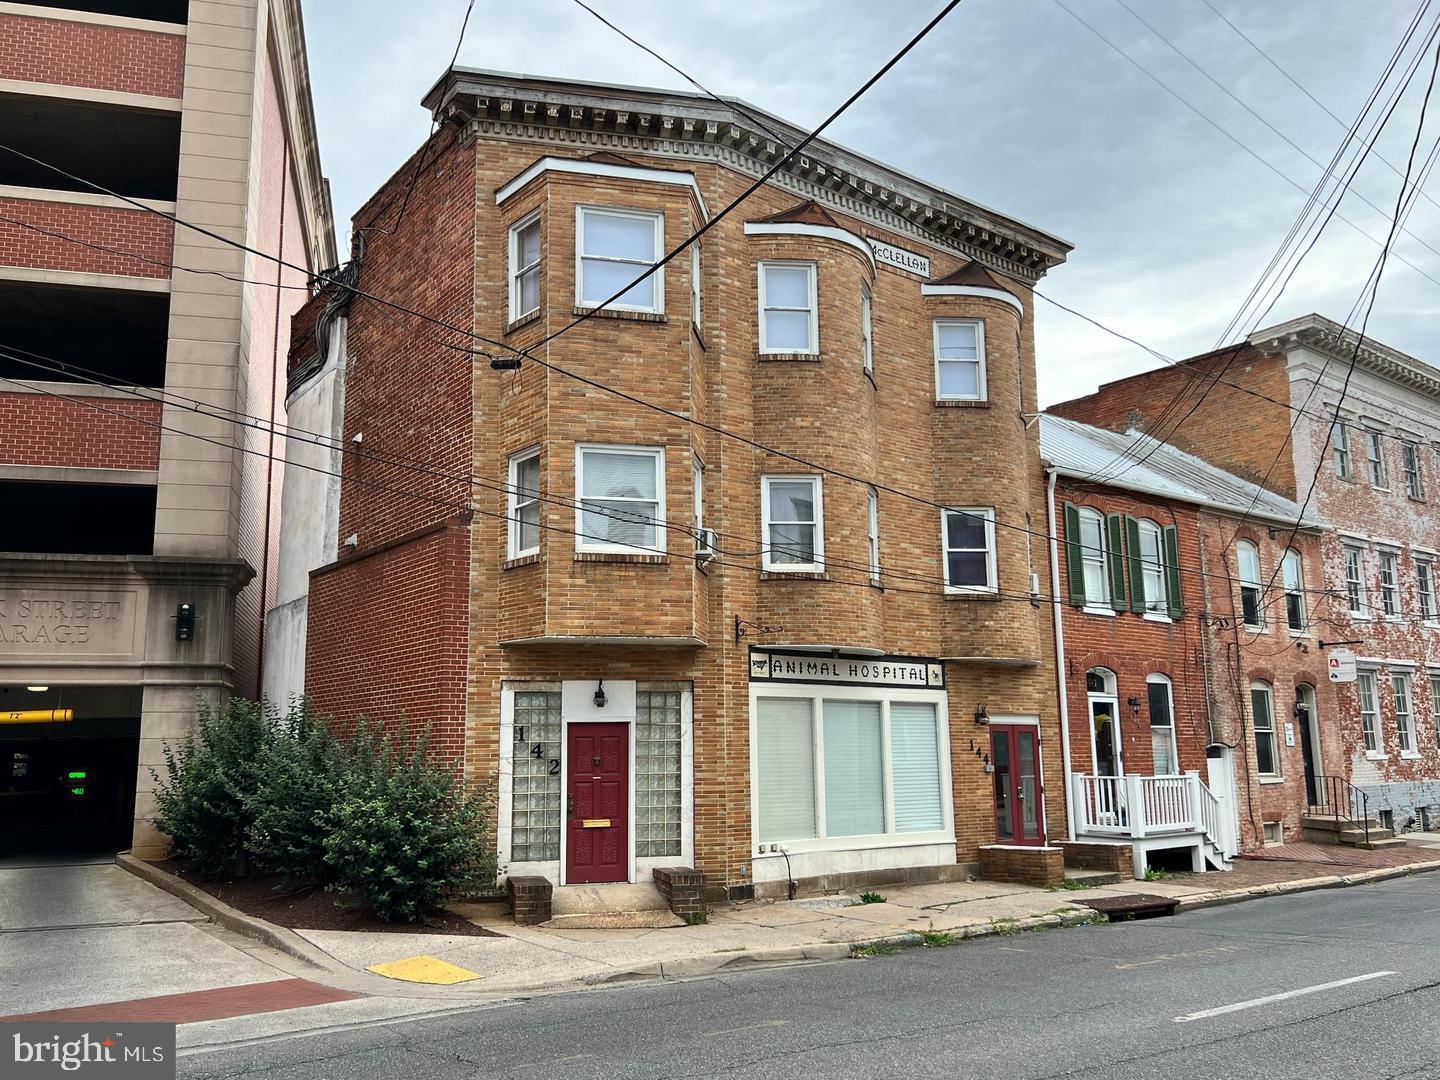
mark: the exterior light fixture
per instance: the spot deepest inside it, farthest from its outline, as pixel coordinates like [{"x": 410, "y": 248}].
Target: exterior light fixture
[
  {"x": 37, "y": 689},
  {"x": 185, "y": 622},
  {"x": 600, "y": 699},
  {"x": 982, "y": 715},
  {"x": 1134, "y": 703}
]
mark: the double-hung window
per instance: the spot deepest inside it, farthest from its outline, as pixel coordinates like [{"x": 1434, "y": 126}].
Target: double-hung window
[
  {"x": 867, "y": 330},
  {"x": 613, "y": 248},
  {"x": 1292, "y": 571},
  {"x": 1163, "y": 751},
  {"x": 1262, "y": 715},
  {"x": 1375, "y": 455},
  {"x": 969, "y": 539},
  {"x": 1340, "y": 444},
  {"x": 1369, "y": 710},
  {"x": 1093, "y": 557},
  {"x": 695, "y": 285},
  {"x": 1425, "y": 588},
  {"x": 525, "y": 267},
  {"x": 1390, "y": 584},
  {"x": 833, "y": 768},
  {"x": 1252, "y": 612},
  {"x": 789, "y": 319},
  {"x": 1152, "y": 568},
  {"x": 872, "y": 507},
  {"x": 1404, "y": 713},
  {"x": 1435, "y": 701},
  {"x": 959, "y": 360},
  {"x": 1410, "y": 463},
  {"x": 622, "y": 499},
  {"x": 793, "y": 513},
  {"x": 524, "y": 515},
  {"x": 1355, "y": 590}
]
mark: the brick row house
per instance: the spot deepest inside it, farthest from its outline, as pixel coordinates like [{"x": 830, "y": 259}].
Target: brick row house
[
  {"x": 791, "y": 626},
  {"x": 1375, "y": 480},
  {"x": 140, "y": 533},
  {"x": 1194, "y": 700}
]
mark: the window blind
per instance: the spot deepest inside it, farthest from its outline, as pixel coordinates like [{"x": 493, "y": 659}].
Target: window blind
[
  {"x": 854, "y": 790},
  {"x": 915, "y": 768},
  {"x": 785, "y": 744}
]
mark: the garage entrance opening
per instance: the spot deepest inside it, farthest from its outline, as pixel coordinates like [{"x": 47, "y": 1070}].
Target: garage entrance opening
[{"x": 67, "y": 787}]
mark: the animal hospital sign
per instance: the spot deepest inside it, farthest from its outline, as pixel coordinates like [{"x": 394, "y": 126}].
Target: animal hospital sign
[{"x": 918, "y": 672}]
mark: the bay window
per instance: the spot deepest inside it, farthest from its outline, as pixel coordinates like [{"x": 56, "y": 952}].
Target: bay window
[
  {"x": 835, "y": 764},
  {"x": 612, "y": 249},
  {"x": 867, "y": 330},
  {"x": 793, "y": 523},
  {"x": 969, "y": 539},
  {"x": 789, "y": 319},
  {"x": 873, "y": 528},
  {"x": 959, "y": 360},
  {"x": 524, "y": 510},
  {"x": 525, "y": 267},
  {"x": 622, "y": 499}
]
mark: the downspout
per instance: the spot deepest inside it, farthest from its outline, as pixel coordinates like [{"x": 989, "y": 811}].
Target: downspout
[{"x": 1057, "y": 612}]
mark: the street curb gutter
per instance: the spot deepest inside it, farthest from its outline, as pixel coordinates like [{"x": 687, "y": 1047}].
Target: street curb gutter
[
  {"x": 277, "y": 937},
  {"x": 1285, "y": 888}
]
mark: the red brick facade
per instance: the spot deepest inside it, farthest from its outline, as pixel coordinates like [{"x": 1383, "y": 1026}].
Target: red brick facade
[
  {"x": 75, "y": 53},
  {"x": 37, "y": 429},
  {"x": 146, "y": 237}
]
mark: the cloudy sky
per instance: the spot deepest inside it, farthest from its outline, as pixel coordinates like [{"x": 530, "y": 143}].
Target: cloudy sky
[{"x": 1012, "y": 103}]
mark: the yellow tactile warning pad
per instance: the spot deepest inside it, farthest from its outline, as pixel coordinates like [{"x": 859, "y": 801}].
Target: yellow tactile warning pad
[{"x": 424, "y": 969}]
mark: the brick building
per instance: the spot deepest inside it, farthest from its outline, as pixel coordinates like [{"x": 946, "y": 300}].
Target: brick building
[
  {"x": 1374, "y": 480},
  {"x": 140, "y": 536},
  {"x": 1168, "y": 646},
  {"x": 666, "y": 644}
]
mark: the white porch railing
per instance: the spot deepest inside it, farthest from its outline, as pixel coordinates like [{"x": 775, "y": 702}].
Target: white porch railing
[{"x": 1141, "y": 806}]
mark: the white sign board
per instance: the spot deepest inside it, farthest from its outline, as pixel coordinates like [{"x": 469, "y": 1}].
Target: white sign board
[
  {"x": 899, "y": 258},
  {"x": 778, "y": 666},
  {"x": 1342, "y": 666},
  {"x": 1289, "y": 733}
]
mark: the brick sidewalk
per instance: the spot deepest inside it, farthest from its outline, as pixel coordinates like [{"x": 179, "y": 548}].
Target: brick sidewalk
[{"x": 1336, "y": 855}]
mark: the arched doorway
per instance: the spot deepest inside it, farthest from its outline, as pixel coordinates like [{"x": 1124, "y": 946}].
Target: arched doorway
[
  {"x": 1309, "y": 725},
  {"x": 1106, "y": 756}
]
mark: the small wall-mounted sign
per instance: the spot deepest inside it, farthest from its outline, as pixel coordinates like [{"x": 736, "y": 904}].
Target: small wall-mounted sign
[
  {"x": 920, "y": 672},
  {"x": 1289, "y": 734},
  {"x": 1342, "y": 666},
  {"x": 890, "y": 255}
]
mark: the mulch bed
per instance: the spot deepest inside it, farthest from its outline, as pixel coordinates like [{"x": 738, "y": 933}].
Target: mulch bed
[{"x": 312, "y": 908}]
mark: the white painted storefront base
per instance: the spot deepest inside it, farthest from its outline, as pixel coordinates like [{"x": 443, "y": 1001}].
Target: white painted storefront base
[{"x": 811, "y": 864}]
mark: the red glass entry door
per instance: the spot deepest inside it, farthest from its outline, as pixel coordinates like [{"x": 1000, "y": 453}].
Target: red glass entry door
[
  {"x": 1015, "y": 755},
  {"x": 597, "y": 824}
]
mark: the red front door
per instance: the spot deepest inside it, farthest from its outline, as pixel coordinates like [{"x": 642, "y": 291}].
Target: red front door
[
  {"x": 1015, "y": 757},
  {"x": 597, "y": 826}
]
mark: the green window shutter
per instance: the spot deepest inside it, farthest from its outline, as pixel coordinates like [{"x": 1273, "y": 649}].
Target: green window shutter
[
  {"x": 1074, "y": 566},
  {"x": 1115, "y": 534},
  {"x": 1176, "y": 597},
  {"x": 1137, "y": 571}
]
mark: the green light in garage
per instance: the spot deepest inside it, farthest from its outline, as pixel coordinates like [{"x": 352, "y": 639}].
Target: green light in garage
[
  {"x": 79, "y": 791},
  {"x": 77, "y": 774}
]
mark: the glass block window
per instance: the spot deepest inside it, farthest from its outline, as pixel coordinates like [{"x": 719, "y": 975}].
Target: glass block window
[
  {"x": 535, "y": 788},
  {"x": 657, "y": 773}
]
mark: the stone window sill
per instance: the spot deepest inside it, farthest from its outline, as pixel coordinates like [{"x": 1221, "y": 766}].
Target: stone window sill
[
  {"x": 1109, "y": 613},
  {"x": 642, "y": 558},
  {"x": 794, "y": 575},
  {"x": 788, "y": 357},
  {"x": 945, "y": 403},
  {"x": 632, "y": 316},
  {"x": 1272, "y": 779},
  {"x": 988, "y": 595},
  {"x": 522, "y": 560},
  {"x": 523, "y": 320},
  {"x": 1376, "y": 755},
  {"x": 1410, "y": 755}
]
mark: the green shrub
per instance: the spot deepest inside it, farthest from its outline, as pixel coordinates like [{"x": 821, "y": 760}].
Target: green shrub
[
  {"x": 203, "y": 799},
  {"x": 405, "y": 835},
  {"x": 300, "y": 776}
]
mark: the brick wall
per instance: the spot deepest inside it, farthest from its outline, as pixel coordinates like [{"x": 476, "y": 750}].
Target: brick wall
[
  {"x": 134, "y": 231},
  {"x": 86, "y": 54},
  {"x": 36, "y": 429},
  {"x": 1035, "y": 866}
]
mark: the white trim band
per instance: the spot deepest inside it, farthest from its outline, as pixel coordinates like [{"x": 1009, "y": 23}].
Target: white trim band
[
  {"x": 581, "y": 167},
  {"x": 801, "y": 228},
  {"x": 973, "y": 290}
]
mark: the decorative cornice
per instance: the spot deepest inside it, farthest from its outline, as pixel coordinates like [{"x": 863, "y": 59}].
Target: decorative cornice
[
  {"x": 1337, "y": 342},
  {"x": 800, "y": 228},
  {"x": 683, "y": 126},
  {"x": 583, "y": 167},
  {"x": 973, "y": 290}
]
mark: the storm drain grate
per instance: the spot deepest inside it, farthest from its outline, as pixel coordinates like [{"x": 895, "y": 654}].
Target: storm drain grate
[{"x": 1132, "y": 906}]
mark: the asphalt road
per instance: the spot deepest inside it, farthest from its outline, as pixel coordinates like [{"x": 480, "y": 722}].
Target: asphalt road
[{"x": 1090, "y": 1002}]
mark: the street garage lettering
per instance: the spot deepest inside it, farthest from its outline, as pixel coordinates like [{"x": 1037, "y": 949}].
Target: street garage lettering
[
  {"x": 62, "y": 622},
  {"x": 913, "y": 671}
]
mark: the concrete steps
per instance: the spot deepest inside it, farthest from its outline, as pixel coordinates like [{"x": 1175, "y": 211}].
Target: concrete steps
[
  {"x": 1318, "y": 829},
  {"x": 610, "y": 907},
  {"x": 1091, "y": 878}
]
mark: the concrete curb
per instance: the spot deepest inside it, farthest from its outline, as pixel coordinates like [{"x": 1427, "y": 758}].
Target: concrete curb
[
  {"x": 277, "y": 937},
  {"x": 1285, "y": 888}
]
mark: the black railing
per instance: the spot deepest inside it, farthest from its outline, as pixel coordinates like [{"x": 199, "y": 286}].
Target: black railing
[{"x": 1337, "y": 798}]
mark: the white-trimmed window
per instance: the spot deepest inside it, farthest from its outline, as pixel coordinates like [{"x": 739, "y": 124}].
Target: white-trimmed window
[
  {"x": 867, "y": 330},
  {"x": 789, "y": 311},
  {"x": 1355, "y": 591},
  {"x": 872, "y": 508},
  {"x": 960, "y": 360},
  {"x": 1094, "y": 557},
  {"x": 1425, "y": 588},
  {"x": 1340, "y": 444},
  {"x": 613, "y": 248},
  {"x": 524, "y": 510},
  {"x": 1292, "y": 573},
  {"x": 698, "y": 471},
  {"x": 968, "y": 534},
  {"x": 1252, "y": 611},
  {"x": 1404, "y": 713},
  {"x": 1410, "y": 464},
  {"x": 1262, "y": 716},
  {"x": 1163, "y": 750},
  {"x": 1375, "y": 455},
  {"x": 847, "y": 764},
  {"x": 1152, "y": 567},
  {"x": 1435, "y": 702},
  {"x": 793, "y": 516},
  {"x": 695, "y": 284},
  {"x": 525, "y": 266},
  {"x": 1390, "y": 584},
  {"x": 1369, "y": 710},
  {"x": 622, "y": 499}
]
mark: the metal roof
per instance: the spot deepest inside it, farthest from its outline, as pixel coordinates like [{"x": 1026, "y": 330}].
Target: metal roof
[{"x": 1090, "y": 453}]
